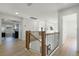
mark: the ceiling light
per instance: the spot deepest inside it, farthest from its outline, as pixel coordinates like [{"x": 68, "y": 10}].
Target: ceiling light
[{"x": 17, "y": 13}]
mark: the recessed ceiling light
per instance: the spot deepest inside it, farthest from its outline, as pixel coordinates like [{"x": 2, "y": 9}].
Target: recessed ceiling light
[{"x": 17, "y": 13}]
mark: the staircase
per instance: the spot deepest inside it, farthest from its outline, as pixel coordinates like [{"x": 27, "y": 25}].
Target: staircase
[{"x": 41, "y": 42}]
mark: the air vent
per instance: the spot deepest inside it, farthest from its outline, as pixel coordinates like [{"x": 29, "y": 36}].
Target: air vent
[
  {"x": 29, "y": 4},
  {"x": 13, "y": 20},
  {"x": 34, "y": 18}
]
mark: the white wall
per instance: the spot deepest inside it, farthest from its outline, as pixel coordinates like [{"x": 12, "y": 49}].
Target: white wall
[
  {"x": 42, "y": 24},
  {"x": 20, "y": 30},
  {"x": 64, "y": 12},
  {"x": 78, "y": 31},
  {"x": 70, "y": 25},
  {"x": 0, "y": 31},
  {"x": 50, "y": 19},
  {"x": 30, "y": 25},
  {"x": 70, "y": 29},
  {"x": 27, "y": 25},
  {"x": 52, "y": 23}
]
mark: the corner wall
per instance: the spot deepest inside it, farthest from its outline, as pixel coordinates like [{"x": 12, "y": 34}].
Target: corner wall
[{"x": 68, "y": 11}]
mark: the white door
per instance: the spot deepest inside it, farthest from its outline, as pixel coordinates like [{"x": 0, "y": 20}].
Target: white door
[{"x": 70, "y": 30}]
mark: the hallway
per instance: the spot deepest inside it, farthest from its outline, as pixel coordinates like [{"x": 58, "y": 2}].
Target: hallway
[
  {"x": 19, "y": 20},
  {"x": 15, "y": 47}
]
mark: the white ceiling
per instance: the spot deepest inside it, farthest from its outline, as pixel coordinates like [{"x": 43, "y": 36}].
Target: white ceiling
[
  {"x": 9, "y": 22},
  {"x": 36, "y": 9}
]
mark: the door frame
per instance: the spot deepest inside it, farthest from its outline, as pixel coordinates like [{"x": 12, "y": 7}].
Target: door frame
[{"x": 60, "y": 21}]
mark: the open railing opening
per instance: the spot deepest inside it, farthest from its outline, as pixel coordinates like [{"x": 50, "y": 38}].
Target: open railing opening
[
  {"x": 35, "y": 41},
  {"x": 52, "y": 42},
  {"x": 42, "y": 43}
]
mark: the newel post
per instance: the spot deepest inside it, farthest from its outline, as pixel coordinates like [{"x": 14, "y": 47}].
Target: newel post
[
  {"x": 43, "y": 43},
  {"x": 27, "y": 40}
]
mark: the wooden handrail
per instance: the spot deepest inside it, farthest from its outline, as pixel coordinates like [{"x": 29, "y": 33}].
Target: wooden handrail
[
  {"x": 43, "y": 43},
  {"x": 34, "y": 37},
  {"x": 52, "y": 33},
  {"x": 27, "y": 39}
]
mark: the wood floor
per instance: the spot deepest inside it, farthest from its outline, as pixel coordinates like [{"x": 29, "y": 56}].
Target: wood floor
[
  {"x": 15, "y": 47},
  {"x": 69, "y": 48}
]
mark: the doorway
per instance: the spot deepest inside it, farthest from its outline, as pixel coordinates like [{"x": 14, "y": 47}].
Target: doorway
[
  {"x": 10, "y": 29},
  {"x": 70, "y": 33}
]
